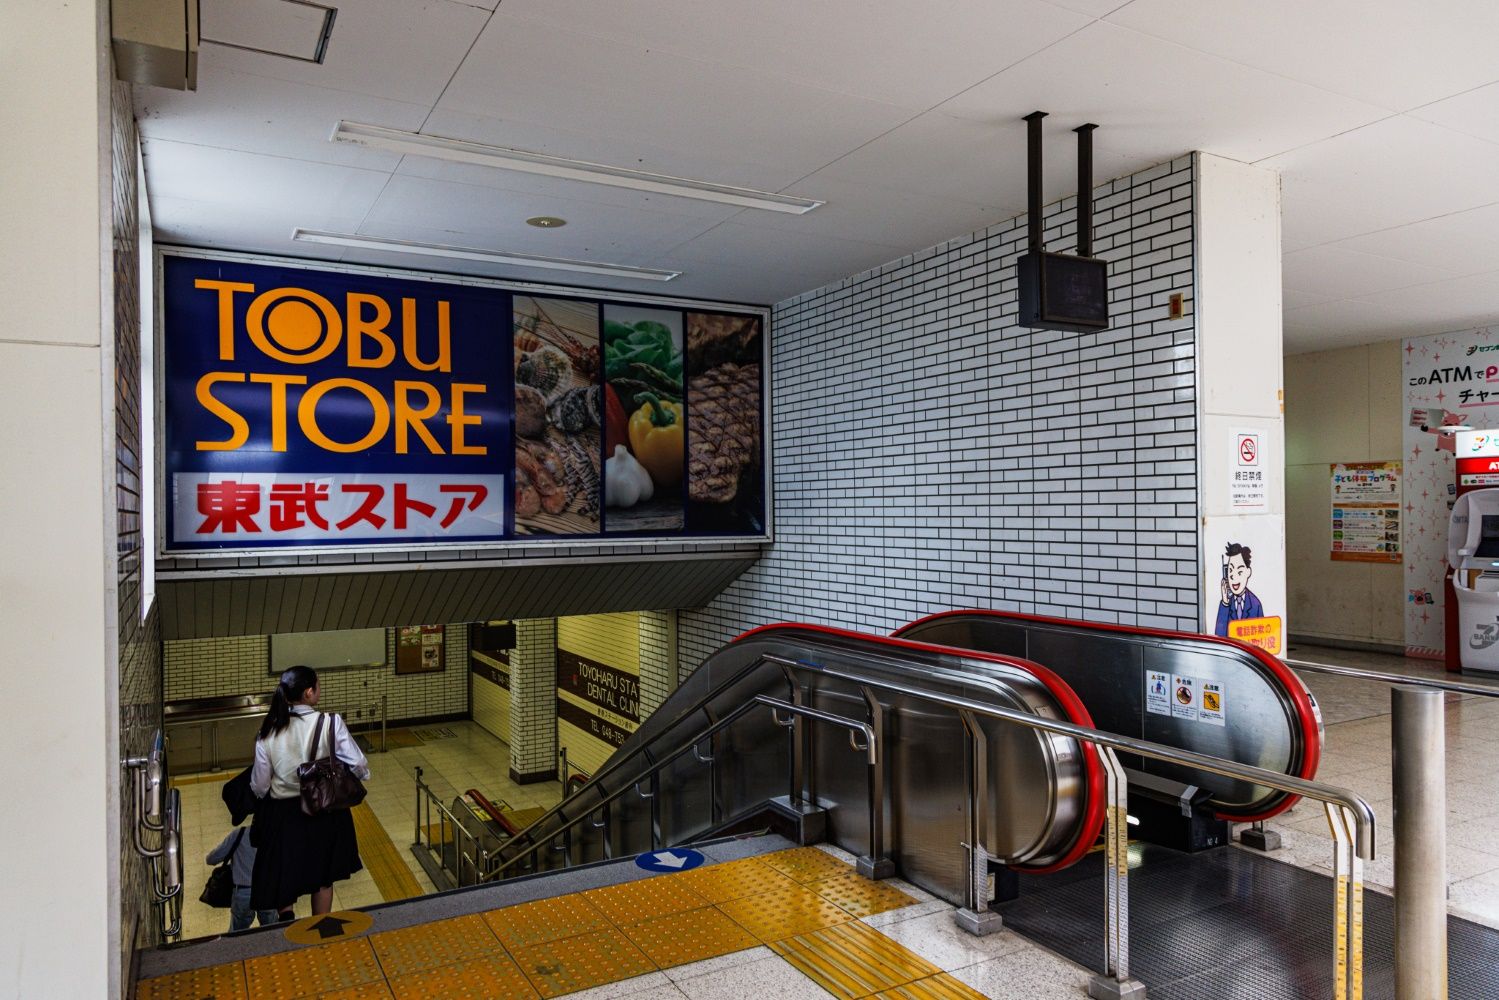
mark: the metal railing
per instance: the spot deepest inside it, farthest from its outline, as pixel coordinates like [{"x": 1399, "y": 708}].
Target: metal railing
[
  {"x": 1350, "y": 818},
  {"x": 156, "y": 814},
  {"x": 358, "y": 724},
  {"x": 573, "y": 776}
]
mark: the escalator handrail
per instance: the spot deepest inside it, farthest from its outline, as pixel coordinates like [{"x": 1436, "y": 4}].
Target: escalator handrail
[
  {"x": 1090, "y": 823},
  {"x": 1301, "y": 703},
  {"x": 493, "y": 813}
]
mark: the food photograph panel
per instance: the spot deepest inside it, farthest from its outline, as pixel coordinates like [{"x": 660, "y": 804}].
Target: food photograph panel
[
  {"x": 645, "y": 420},
  {"x": 558, "y": 416},
  {"x": 725, "y": 460}
]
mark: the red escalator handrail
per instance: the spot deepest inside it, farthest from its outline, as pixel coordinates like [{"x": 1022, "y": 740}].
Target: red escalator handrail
[
  {"x": 490, "y": 811},
  {"x": 1292, "y": 685},
  {"x": 1072, "y": 706}
]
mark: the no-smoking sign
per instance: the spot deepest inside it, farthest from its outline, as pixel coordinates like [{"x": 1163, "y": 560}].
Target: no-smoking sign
[{"x": 1249, "y": 449}]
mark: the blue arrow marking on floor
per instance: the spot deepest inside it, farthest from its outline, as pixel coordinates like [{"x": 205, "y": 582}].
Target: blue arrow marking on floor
[{"x": 676, "y": 860}]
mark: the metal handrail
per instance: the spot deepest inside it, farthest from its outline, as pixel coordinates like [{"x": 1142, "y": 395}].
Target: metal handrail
[{"x": 1412, "y": 680}]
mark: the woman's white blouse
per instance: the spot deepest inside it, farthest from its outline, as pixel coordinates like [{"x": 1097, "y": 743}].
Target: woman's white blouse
[{"x": 278, "y": 756}]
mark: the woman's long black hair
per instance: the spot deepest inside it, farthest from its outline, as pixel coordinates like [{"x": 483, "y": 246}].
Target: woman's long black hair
[{"x": 294, "y": 683}]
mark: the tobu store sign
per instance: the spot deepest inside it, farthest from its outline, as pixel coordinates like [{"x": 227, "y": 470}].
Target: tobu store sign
[{"x": 303, "y": 408}]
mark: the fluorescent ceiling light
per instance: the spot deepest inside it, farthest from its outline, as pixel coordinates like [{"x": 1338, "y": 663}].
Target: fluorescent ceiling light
[
  {"x": 487, "y": 256},
  {"x": 461, "y": 151}
]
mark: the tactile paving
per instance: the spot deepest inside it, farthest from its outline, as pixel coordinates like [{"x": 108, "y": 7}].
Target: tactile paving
[
  {"x": 494, "y": 977},
  {"x": 632, "y": 902},
  {"x": 720, "y": 883},
  {"x": 310, "y": 971},
  {"x": 859, "y": 895},
  {"x": 544, "y": 920},
  {"x": 783, "y": 913},
  {"x": 943, "y": 987},
  {"x": 689, "y": 937},
  {"x": 806, "y": 864},
  {"x": 852, "y": 960},
  {"x": 426, "y": 946},
  {"x": 369, "y": 991},
  {"x": 221, "y": 982},
  {"x": 582, "y": 962}
]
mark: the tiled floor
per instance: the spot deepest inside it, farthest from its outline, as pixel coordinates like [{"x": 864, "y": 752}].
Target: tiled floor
[
  {"x": 1357, "y": 756},
  {"x": 794, "y": 925},
  {"x": 470, "y": 758}
]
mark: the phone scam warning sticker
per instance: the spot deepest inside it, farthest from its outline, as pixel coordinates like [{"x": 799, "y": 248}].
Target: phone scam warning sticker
[
  {"x": 1157, "y": 692},
  {"x": 1212, "y": 704},
  {"x": 1184, "y": 698}
]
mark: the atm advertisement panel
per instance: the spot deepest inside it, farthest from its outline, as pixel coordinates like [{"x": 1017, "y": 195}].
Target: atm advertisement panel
[{"x": 304, "y": 408}]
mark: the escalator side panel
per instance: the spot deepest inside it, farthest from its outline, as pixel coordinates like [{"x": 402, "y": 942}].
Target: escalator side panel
[
  {"x": 841, "y": 774},
  {"x": 929, "y": 795}
]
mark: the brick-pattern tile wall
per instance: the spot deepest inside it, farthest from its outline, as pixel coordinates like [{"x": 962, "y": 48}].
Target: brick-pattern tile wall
[
  {"x": 211, "y": 668},
  {"x": 930, "y": 453},
  {"x": 533, "y": 698},
  {"x": 658, "y": 659}
]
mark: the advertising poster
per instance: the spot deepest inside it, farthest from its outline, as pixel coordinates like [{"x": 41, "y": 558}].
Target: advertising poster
[
  {"x": 1451, "y": 380},
  {"x": 307, "y": 409},
  {"x": 1366, "y": 504},
  {"x": 1245, "y": 596}
]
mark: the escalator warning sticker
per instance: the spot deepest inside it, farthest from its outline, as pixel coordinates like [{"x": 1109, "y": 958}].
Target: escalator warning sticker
[
  {"x": 1184, "y": 698},
  {"x": 1213, "y": 704},
  {"x": 1157, "y": 693}
]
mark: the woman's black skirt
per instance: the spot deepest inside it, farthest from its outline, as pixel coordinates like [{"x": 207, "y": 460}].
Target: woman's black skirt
[{"x": 297, "y": 854}]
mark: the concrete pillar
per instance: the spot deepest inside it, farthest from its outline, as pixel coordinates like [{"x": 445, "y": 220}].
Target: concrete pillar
[
  {"x": 59, "y": 840},
  {"x": 1240, "y": 422},
  {"x": 533, "y": 701},
  {"x": 658, "y": 659}
]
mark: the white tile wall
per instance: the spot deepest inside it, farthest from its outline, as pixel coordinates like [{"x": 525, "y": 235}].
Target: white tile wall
[
  {"x": 210, "y": 668},
  {"x": 932, "y": 454},
  {"x": 533, "y": 697}
]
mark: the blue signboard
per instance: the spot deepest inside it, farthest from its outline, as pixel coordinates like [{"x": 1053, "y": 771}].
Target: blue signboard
[
  {"x": 308, "y": 408},
  {"x": 678, "y": 859}
]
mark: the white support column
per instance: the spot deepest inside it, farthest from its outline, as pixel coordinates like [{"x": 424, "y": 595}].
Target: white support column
[
  {"x": 533, "y": 701},
  {"x": 1241, "y": 435},
  {"x": 59, "y": 837}
]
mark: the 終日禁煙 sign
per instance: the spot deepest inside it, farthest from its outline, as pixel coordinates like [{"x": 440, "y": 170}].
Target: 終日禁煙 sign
[{"x": 307, "y": 408}]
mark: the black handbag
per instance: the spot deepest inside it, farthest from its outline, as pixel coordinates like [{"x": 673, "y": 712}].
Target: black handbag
[
  {"x": 219, "y": 889},
  {"x": 327, "y": 782}
]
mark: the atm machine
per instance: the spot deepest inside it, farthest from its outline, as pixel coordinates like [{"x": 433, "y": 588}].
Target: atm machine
[{"x": 1473, "y": 556}]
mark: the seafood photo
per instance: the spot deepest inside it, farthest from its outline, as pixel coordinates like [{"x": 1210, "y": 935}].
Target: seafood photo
[{"x": 558, "y": 417}]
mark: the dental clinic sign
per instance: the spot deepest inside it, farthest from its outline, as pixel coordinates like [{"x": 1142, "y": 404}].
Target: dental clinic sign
[{"x": 303, "y": 408}]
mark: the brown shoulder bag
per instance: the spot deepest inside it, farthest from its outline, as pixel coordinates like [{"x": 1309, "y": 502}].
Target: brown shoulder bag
[{"x": 327, "y": 782}]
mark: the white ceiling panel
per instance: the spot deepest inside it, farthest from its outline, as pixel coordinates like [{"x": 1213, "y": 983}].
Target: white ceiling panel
[
  {"x": 239, "y": 180},
  {"x": 1291, "y": 299},
  {"x": 259, "y": 114},
  {"x": 733, "y": 244},
  {"x": 404, "y": 50},
  {"x": 446, "y": 212},
  {"x": 264, "y": 230},
  {"x": 1157, "y": 99},
  {"x": 534, "y": 73},
  {"x": 1474, "y": 113},
  {"x": 1398, "y": 55},
  {"x": 293, "y": 29},
  {"x": 1463, "y": 242},
  {"x": 1342, "y": 274},
  {"x": 1469, "y": 301},
  {"x": 1391, "y": 173},
  {"x": 904, "y": 54},
  {"x": 1345, "y": 322}
]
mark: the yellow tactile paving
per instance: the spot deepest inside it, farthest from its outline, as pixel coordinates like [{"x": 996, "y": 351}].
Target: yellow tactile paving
[
  {"x": 852, "y": 960},
  {"x": 581, "y": 962},
  {"x": 721, "y": 883},
  {"x": 426, "y": 946},
  {"x": 859, "y": 895},
  {"x": 201, "y": 779},
  {"x": 312, "y": 970},
  {"x": 222, "y": 982},
  {"x": 632, "y": 902},
  {"x": 544, "y": 920},
  {"x": 806, "y": 864},
  {"x": 385, "y": 863},
  {"x": 369, "y": 991},
  {"x": 692, "y": 936},
  {"x": 943, "y": 987},
  {"x": 782, "y": 913},
  {"x": 495, "y": 977}
]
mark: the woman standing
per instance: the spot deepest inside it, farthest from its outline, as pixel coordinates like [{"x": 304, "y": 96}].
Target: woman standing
[{"x": 297, "y": 854}]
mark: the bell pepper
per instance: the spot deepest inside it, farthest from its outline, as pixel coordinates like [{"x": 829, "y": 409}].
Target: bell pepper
[
  {"x": 616, "y": 423},
  {"x": 658, "y": 439}
]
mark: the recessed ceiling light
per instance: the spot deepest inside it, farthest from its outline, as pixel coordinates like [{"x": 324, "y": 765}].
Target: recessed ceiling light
[
  {"x": 487, "y": 256},
  {"x": 546, "y": 222},
  {"x": 504, "y": 158}
]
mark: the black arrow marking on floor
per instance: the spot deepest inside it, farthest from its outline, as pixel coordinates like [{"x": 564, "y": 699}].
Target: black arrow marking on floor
[{"x": 329, "y": 927}]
